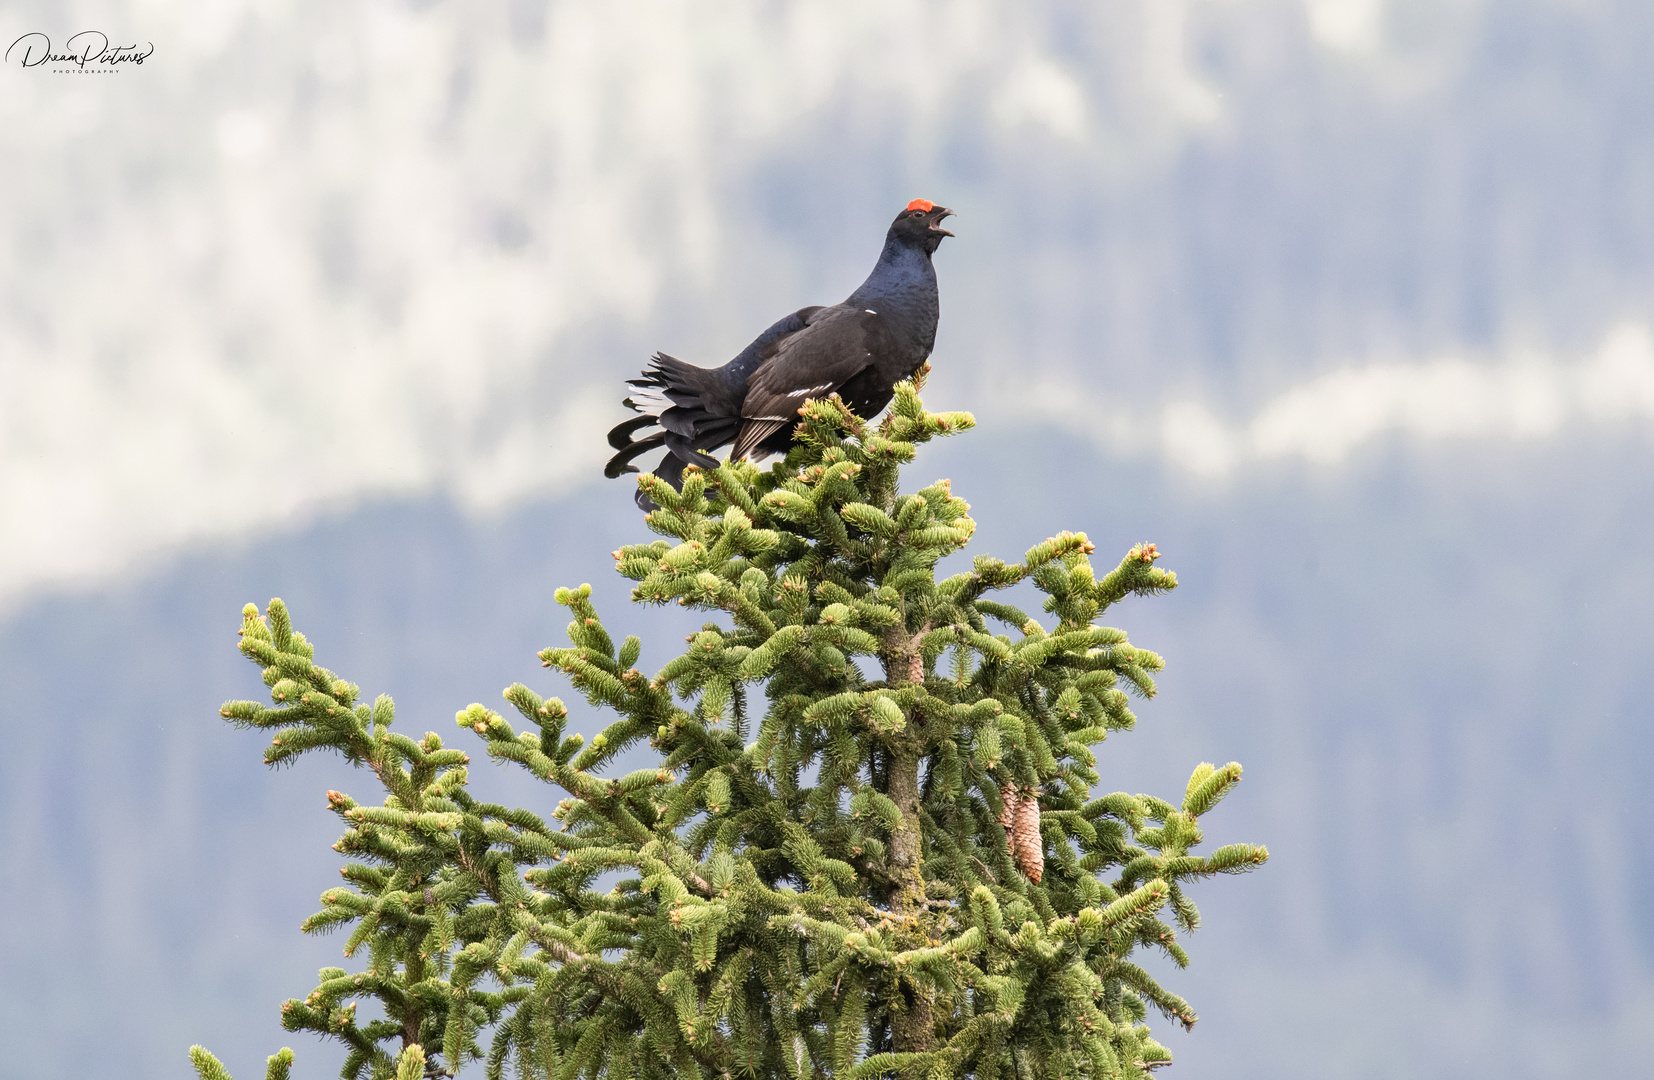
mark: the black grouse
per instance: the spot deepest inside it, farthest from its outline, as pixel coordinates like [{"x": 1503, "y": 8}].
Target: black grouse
[{"x": 861, "y": 349}]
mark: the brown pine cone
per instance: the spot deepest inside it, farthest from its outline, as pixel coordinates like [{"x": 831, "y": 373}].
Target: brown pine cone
[{"x": 1025, "y": 838}]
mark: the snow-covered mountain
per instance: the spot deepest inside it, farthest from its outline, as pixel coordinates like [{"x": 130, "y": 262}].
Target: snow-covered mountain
[{"x": 1348, "y": 304}]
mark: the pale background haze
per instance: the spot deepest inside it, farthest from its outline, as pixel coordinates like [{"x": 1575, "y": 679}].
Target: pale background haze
[{"x": 1347, "y": 304}]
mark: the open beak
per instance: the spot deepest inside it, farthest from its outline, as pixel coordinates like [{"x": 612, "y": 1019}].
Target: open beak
[{"x": 936, "y": 222}]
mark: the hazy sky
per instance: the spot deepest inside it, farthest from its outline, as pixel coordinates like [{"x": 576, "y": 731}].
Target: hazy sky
[
  {"x": 1349, "y": 304},
  {"x": 309, "y": 252}
]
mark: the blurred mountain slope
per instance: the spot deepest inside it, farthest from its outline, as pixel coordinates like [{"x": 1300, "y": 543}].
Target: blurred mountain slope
[
  {"x": 332, "y": 303},
  {"x": 1436, "y": 678}
]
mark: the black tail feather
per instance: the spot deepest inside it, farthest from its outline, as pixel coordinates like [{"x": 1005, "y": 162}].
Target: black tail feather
[
  {"x": 689, "y": 405},
  {"x": 620, "y": 464},
  {"x": 670, "y": 469},
  {"x": 685, "y": 450},
  {"x": 620, "y": 436}
]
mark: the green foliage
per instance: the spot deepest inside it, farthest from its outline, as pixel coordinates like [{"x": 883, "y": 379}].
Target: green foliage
[
  {"x": 208, "y": 1067},
  {"x": 814, "y": 879}
]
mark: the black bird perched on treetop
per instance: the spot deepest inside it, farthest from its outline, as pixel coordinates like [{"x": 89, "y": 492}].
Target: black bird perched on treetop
[{"x": 860, "y": 349}]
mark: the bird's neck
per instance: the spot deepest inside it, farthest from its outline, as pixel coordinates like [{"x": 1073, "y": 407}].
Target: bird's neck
[{"x": 901, "y": 272}]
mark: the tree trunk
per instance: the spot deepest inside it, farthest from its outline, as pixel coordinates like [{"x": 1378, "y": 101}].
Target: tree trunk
[{"x": 911, "y": 1030}]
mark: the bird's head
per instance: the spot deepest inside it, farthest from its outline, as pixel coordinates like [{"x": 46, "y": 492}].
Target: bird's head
[{"x": 921, "y": 225}]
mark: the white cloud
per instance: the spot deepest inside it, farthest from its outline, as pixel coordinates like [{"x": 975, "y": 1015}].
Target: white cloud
[
  {"x": 1327, "y": 418},
  {"x": 314, "y": 252},
  {"x": 1166, "y": 47},
  {"x": 243, "y": 135},
  {"x": 1043, "y": 94},
  {"x": 1346, "y": 24}
]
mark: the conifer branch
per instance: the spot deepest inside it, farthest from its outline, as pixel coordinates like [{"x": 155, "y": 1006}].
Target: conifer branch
[{"x": 898, "y": 875}]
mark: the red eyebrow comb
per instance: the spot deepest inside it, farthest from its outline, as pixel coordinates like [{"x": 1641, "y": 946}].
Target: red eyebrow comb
[{"x": 921, "y": 204}]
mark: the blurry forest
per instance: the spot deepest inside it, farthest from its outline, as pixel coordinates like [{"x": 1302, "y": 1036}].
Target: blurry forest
[{"x": 1345, "y": 304}]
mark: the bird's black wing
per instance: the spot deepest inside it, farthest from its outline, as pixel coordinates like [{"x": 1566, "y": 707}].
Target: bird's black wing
[{"x": 835, "y": 345}]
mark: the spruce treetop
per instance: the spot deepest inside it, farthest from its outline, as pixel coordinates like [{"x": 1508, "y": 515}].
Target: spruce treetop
[{"x": 868, "y": 845}]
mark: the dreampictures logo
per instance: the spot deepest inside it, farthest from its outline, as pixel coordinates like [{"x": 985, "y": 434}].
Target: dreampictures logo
[{"x": 86, "y": 53}]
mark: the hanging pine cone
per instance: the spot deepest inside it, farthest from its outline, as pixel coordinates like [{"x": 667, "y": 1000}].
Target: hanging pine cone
[
  {"x": 1026, "y": 842},
  {"x": 1008, "y": 813}
]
